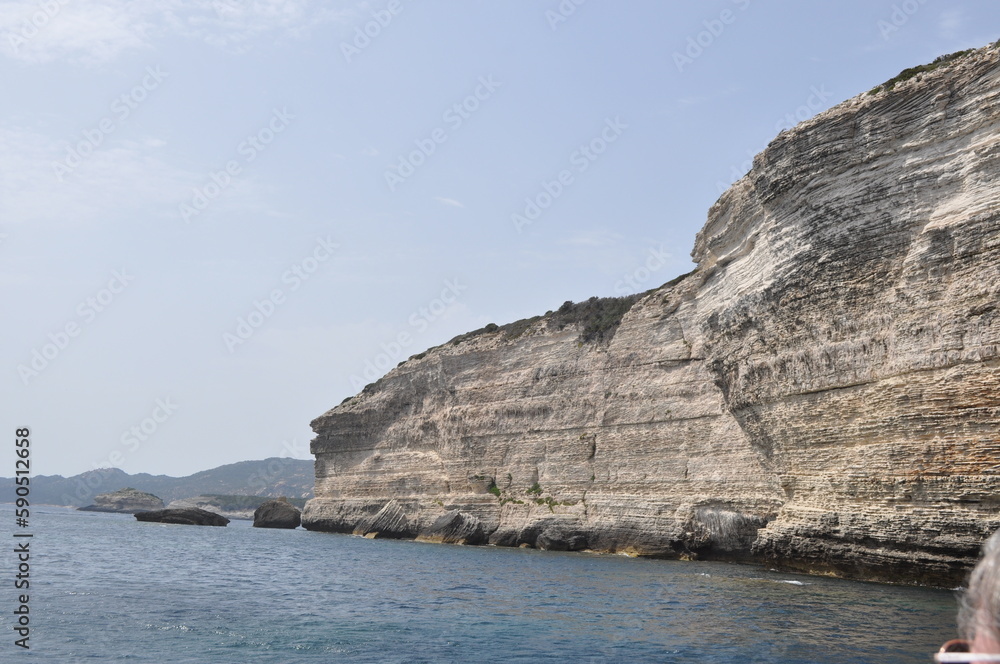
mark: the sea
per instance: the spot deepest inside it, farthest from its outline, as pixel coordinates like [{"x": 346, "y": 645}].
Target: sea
[{"x": 106, "y": 588}]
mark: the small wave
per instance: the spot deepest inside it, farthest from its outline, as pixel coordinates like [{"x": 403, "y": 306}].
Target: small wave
[{"x": 791, "y": 582}]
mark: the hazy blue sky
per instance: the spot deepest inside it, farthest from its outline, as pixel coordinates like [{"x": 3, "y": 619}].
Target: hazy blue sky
[{"x": 170, "y": 169}]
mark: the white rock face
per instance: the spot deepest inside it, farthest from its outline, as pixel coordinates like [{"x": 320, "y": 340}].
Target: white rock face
[{"x": 822, "y": 393}]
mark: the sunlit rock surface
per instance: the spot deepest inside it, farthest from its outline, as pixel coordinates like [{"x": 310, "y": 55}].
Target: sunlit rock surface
[{"x": 820, "y": 394}]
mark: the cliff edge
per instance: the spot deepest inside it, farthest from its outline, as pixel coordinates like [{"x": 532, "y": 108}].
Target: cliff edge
[{"x": 821, "y": 393}]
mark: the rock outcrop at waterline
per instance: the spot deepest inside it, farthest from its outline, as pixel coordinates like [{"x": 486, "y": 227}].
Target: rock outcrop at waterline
[
  {"x": 191, "y": 516},
  {"x": 277, "y": 514},
  {"x": 821, "y": 393}
]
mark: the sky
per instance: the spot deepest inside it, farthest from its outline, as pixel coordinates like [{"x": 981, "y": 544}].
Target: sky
[{"x": 219, "y": 219}]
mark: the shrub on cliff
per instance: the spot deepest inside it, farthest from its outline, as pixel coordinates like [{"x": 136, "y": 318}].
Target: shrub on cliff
[
  {"x": 910, "y": 72},
  {"x": 598, "y": 318}
]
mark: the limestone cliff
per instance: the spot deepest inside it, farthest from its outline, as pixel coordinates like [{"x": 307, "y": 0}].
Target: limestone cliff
[{"x": 821, "y": 393}]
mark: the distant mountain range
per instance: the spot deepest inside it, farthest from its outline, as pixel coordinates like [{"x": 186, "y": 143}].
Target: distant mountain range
[{"x": 270, "y": 477}]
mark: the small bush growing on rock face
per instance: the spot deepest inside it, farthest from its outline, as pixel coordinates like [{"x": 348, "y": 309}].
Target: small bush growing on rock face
[
  {"x": 910, "y": 72},
  {"x": 489, "y": 329},
  {"x": 517, "y": 328},
  {"x": 494, "y": 489},
  {"x": 550, "y": 501},
  {"x": 535, "y": 489},
  {"x": 598, "y": 318},
  {"x": 678, "y": 279}
]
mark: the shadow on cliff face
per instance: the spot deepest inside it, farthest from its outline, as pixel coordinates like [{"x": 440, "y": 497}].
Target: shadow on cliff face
[
  {"x": 727, "y": 534},
  {"x": 546, "y": 534},
  {"x": 843, "y": 305}
]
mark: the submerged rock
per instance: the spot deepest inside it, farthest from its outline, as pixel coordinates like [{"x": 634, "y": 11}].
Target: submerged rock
[
  {"x": 187, "y": 516},
  {"x": 127, "y": 500},
  {"x": 277, "y": 514}
]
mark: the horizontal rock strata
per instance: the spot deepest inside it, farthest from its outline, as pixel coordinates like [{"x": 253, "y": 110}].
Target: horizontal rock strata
[
  {"x": 126, "y": 500},
  {"x": 820, "y": 394}
]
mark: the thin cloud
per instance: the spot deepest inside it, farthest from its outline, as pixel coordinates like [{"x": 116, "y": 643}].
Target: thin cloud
[
  {"x": 449, "y": 201},
  {"x": 92, "y": 33},
  {"x": 127, "y": 175}
]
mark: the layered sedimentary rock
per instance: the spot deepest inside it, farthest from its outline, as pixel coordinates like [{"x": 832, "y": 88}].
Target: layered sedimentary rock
[
  {"x": 126, "y": 500},
  {"x": 820, "y": 393}
]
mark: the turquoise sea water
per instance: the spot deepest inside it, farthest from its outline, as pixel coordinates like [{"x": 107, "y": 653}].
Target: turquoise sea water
[{"x": 105, "y": 587}]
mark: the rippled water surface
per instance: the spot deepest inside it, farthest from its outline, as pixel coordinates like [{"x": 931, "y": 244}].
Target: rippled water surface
[{"x": 108, "y": 588}]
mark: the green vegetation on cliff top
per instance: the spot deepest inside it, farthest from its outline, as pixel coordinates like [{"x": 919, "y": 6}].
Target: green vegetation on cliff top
[
  {"x": 597, "y": 318},
  {"x": 910, "y": 72}
]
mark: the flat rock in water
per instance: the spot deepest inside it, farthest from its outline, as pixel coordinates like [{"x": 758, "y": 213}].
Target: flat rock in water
[
  {"x": 277, "y": 514},
  {"x": 187, "y": 516}
]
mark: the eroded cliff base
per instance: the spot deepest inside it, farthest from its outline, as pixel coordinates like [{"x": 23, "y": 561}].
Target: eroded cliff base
[{"x": 820, "y": 394}]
